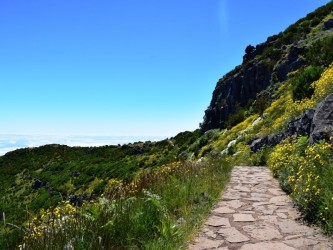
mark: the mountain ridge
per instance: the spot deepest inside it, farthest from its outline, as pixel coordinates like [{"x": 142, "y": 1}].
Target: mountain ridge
[{"x": 265, "y": 65}]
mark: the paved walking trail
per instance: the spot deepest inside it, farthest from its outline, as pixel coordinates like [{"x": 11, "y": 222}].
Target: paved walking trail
[{"x": 255, "y": 213}]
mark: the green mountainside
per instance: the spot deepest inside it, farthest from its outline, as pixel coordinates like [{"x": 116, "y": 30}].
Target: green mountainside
[
  {"x": 40, "y": 177},
  {"x": 148, "y": 195}
]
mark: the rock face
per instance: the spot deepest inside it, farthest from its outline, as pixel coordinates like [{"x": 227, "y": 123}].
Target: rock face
[
  {"x": 259, "y": 70},
  {"x": 237, "y": 88},
  {"x": 77, "y": 200},
  {"x": 322, "y": 123},
  {"x": 301, "y": 125},
  {"x": 316, "y": 123},
  {"x": 291, "y": 62},
  {"x": 328, "y": 24},
  {"x": 37, "y": 184}
]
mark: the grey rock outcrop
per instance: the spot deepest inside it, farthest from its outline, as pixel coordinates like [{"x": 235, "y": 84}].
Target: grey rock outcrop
[
  {"x": 322, "y": 123},
  {"x": 257, "y": 144},
  {"x": 316, "y": 123},
  {"x": 78, "y": 200},
  {"x": 301, "y": 125},
  {"x": 37, "y": 184},
  {"x": 291, "y": 62},
  {"x": 328, "y": 24},
  {"x": 270, "y": 140},
  {"x": 246, "y": 81},
  {"x": 234, "y": 89}
]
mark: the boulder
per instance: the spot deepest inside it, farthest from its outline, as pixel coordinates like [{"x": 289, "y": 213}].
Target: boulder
[
  {"x": 328, "y": 25},
  {"x": 273, "y": 140},
  {"x": 76, "y": 173},
  {"x": 249, "y": 49},
  {"x": 322, "y": 123},
  {"x": 77, "y": 200},
  {"x": 291, "y": 63},
  {"x": 37, "y": 184},
  {"x": 315, "y": 123},
  {"x": 258, "y": 144},
  {"x": 270, "y": 140},
  {"x": 301, "y": 125}
]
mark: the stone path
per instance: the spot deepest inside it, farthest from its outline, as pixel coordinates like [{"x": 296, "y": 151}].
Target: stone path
[{"x": 255, "y": 214}]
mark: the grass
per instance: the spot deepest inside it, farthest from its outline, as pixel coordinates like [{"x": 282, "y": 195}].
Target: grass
[
  {"x": 160, "y": 209},
  {"x": 65, "y": 171}
]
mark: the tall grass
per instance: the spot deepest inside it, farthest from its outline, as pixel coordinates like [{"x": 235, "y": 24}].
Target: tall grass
[{"x": 158, "y": 210}]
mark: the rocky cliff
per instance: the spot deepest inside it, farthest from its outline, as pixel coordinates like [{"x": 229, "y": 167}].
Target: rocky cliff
[
  {"x": 266, "y": 65},
  {"x": 316, "y": 123}
]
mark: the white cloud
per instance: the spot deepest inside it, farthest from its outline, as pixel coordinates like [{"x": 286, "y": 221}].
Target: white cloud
[{"x": 11, "y": 142}]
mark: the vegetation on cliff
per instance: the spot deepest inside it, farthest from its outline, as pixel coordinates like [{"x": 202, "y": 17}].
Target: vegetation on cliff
[{"x": 266, "y": 66}]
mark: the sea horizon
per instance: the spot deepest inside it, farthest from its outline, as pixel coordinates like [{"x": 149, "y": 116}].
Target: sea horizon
[{"x": 11, "y": 142}]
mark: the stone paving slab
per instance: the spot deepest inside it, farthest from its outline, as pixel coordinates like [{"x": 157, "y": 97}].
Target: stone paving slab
[{"x": 254, "y": 213}]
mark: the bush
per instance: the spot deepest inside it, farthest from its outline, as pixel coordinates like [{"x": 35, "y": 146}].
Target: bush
[
  {"x": 261, "y": 157},
  {"x": 321, "y": 53},
  {"x": 307, "y": 173},
  {"x": 236, "y": 118},
  {"x": 249, "y": 49},
  {"x": 301, "y": 82},
  {"x": 159, "y": 210}
]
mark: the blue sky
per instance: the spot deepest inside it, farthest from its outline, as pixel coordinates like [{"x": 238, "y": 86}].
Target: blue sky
[{"x": 124, "y": 68}]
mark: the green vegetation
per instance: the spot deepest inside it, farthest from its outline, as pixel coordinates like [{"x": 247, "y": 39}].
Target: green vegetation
[
  {"x": 40, "y": 178},
  {"x": 154, "y": 195},
  {"x": 304, "y": 26},
  {"x": 320, "y": 53},
  {"x": 61, "y": 171},
  {"x": 159, "y": 209},
  {"x": 306, "y": 172},
  {"x": 301, "y": 82},
  {"x": 236, "y": 118},
  {"x": 86, "y": 166}
]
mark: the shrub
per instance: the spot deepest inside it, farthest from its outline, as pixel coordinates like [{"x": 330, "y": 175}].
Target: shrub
[
  {"x": 261, "y": 157},
  {"x": 302, "y": 81},
  {"x": 307, "y": 173},
  {"x": 284, "y": 108},
  {"x": 324, "y": 86},
  {"x": 307, "y": 186},
  {"x": 249, "y": 49},
  {"x": 148, "y": 213},
  {"x": 321, "y": 53},
  {"x": 236, "y": 118}
]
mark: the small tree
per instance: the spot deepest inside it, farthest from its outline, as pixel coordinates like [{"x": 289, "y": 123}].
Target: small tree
[{"x": 249, "y": 49}]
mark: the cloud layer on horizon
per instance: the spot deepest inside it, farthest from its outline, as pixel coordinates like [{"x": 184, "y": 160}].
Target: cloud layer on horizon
[{"x": 12, "y": 142}]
